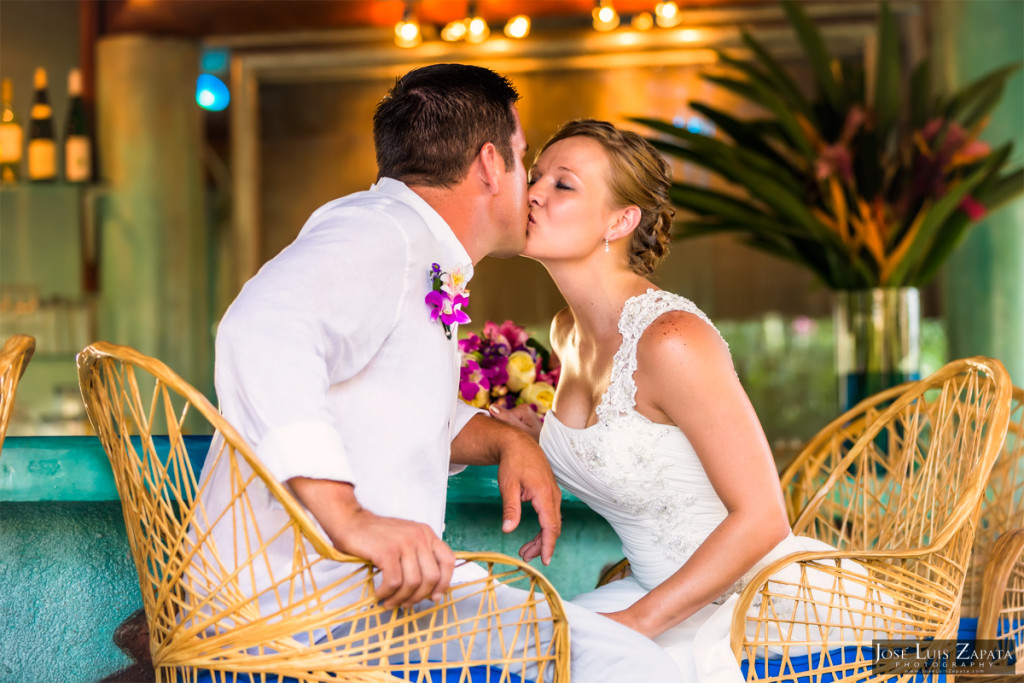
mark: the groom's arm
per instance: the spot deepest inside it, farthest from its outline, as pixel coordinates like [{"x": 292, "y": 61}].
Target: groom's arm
[{"x": 523, "y": 475}]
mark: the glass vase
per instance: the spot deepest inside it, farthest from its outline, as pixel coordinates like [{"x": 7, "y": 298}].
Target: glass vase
[{"x": 878, "y": 341}]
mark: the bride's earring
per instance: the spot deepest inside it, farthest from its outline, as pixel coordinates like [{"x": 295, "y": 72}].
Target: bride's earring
[{"x": 606, "y": 250}]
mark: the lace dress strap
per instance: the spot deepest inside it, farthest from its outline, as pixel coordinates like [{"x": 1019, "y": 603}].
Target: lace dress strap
[{"x": 637, "y": 314}]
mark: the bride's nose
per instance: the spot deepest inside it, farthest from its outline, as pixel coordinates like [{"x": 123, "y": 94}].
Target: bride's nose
[{"x": 533, "y": 195}]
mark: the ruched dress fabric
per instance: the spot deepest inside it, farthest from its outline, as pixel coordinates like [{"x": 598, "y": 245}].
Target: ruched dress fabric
[{"x": 646, "y": 480}]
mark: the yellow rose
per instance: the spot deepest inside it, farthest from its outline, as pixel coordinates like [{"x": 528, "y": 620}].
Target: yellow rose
[
  {"x": 522, "y": 370},
  {"x": 540, "y": 394},
  {"x": 482, "y": 399}
]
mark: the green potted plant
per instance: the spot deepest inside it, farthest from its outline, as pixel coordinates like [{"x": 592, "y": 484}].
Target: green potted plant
[{"x": 870, "y": 182}]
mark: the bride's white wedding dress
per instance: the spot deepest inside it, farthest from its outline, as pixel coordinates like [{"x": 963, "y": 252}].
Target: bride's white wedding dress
[{"x": 646, "y": 480}]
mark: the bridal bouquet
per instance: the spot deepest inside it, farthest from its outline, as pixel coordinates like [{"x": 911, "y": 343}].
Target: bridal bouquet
[{"x": 504, "y": 365}]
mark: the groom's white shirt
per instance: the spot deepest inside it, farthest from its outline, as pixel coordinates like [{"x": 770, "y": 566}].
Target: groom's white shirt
[{"x": 329, "y": 364}]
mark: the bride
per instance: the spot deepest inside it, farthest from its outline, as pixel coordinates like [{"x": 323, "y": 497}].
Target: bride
[{"x": 650, "y": 425}]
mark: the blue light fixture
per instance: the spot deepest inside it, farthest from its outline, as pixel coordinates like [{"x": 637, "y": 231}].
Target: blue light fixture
[{"x": 212, "y": 93}]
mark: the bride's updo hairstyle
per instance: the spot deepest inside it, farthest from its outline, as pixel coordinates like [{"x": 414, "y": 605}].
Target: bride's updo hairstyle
[{"x": 639, "y": 177}]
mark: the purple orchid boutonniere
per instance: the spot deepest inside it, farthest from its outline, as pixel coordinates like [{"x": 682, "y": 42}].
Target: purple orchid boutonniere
[{"x": 448, "y": 294}]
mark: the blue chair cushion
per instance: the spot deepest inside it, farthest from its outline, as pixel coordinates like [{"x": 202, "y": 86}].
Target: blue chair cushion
[
  {"x": 479, "y": 674},
  {"x": 809, "y": 663}
]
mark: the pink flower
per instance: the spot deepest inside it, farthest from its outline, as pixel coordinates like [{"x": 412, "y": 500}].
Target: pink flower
[{"x": 974, "y": 209}]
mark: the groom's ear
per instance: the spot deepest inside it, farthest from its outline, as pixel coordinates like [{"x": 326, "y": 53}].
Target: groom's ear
[{"x": 489, "y": 166}]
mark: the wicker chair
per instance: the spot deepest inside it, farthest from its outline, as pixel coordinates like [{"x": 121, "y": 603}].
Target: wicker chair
[
  {"x": 995, "y": 580},
  {"x": 201, "y": 620},
  {"x": 14, "y": 357},
  {"x": 809, "y": 470},
  {"x": 901, "y": 507},
  {"x": 994, "y": 585}
]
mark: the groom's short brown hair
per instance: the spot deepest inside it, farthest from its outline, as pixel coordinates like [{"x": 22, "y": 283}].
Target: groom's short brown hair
[{"x": 430, "y": 126}]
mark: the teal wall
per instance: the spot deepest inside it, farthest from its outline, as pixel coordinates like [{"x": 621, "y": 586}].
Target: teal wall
[
  {"x": 67, "y": 579},
  {"x": 984, "y": 279},
  {"x": 67, "y": 582}
]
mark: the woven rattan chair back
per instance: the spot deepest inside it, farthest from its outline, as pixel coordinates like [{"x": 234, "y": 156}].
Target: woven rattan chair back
[
  {"x": 809, "y": 470},
  {"x": 1002, "y": 508},
  {"x": 201, "y": 615},
  {"x": 14, "y": 357},
  {"x": 914, "y": 476}
]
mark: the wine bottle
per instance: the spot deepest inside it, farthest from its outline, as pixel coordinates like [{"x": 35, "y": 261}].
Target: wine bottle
[
  {"x": 42, "y": 148},
  {"x": 77, "y": 144},
  {"x": 11, "y": 136}
]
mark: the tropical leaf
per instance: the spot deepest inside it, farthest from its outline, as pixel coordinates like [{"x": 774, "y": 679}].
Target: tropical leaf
[
  {"x": 963, "y": 98},
  {"x": 785, "y": 120},
  {"x": 1002, "y": 189},
  {"x": 744, "y": 133},
  {"x": 729, "y": 207},
  {"x": 920, "y": 95},
  {"x": 817, "y": 54},
  {"x": 984, "y": 104},
  {"x": 887, "y": 73},
  {"x": 779, "y": 77},
  {"x": 723, "y": 157}
]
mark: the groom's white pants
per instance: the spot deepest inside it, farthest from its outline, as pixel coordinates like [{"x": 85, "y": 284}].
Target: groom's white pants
[{"x": 603, "y": 651}]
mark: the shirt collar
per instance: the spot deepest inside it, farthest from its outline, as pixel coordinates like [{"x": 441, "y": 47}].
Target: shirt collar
[{"x": 454, "y": 254}]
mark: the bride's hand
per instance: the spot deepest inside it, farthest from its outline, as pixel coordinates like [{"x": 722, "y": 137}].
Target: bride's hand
[{"x": 522, "y": 416}]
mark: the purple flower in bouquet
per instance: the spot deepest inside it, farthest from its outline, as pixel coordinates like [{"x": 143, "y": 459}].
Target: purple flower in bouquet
[{"x": 474, "y": 387}]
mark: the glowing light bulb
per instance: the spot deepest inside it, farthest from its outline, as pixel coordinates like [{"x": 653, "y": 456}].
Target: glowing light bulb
[
  {"x": 477, "y": 30},
  {"x": 605, "y": 17},
  {"x": 667, "y": 14},
  {"x": 407, "y": 34},
  {"x": 407, "y": 31},
  {"x": 212, "y": 93},
  {"x": 518, "y": 26},
  {"x": 453, "y": 31},
  {"x": 642, "y": 22}
]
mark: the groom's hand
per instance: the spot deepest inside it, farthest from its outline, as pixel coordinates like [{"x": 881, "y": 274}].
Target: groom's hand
[
  {"x": 523, "y": 475},
  {"x": 414, "y": 563}
]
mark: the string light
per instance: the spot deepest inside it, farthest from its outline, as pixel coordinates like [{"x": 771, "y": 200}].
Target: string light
[
  {"x": 454, "y": 30},
  {"x": 667, "y": 14},
  {"x": 477, "y": 29},
  {"x": 605, "y": 16},
  {"x": 407, "y": 31},
  {"x": 518, "y": 26},
  {"x": 642, "y": 22}
]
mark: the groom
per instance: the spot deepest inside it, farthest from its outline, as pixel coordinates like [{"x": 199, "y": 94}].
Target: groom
[{"x": 340, "y": 366}]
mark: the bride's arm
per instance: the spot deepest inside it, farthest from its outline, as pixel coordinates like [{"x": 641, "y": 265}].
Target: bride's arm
[{"x": 685, "y": 376}]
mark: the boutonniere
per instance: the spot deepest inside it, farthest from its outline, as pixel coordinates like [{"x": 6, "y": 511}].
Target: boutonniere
[{"x": 448, "y": 294}]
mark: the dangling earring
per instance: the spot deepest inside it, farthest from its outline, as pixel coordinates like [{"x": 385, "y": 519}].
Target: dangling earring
[{"x": 606, "y": 245}]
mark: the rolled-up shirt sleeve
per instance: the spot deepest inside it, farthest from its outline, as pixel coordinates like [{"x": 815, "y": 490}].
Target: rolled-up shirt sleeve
[{"x": 313, "y": 317}]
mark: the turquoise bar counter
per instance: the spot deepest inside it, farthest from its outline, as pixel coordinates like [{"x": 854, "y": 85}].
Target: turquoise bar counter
[{"x": 67, "y": 578}]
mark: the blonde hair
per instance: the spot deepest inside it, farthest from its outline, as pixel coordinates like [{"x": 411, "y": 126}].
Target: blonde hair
[{"x": 639, "y": 177}]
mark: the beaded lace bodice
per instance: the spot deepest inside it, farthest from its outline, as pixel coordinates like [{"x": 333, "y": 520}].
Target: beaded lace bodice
[
  {"x": 643, "y": 477},
  {"x": 637, "y": 314}
]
